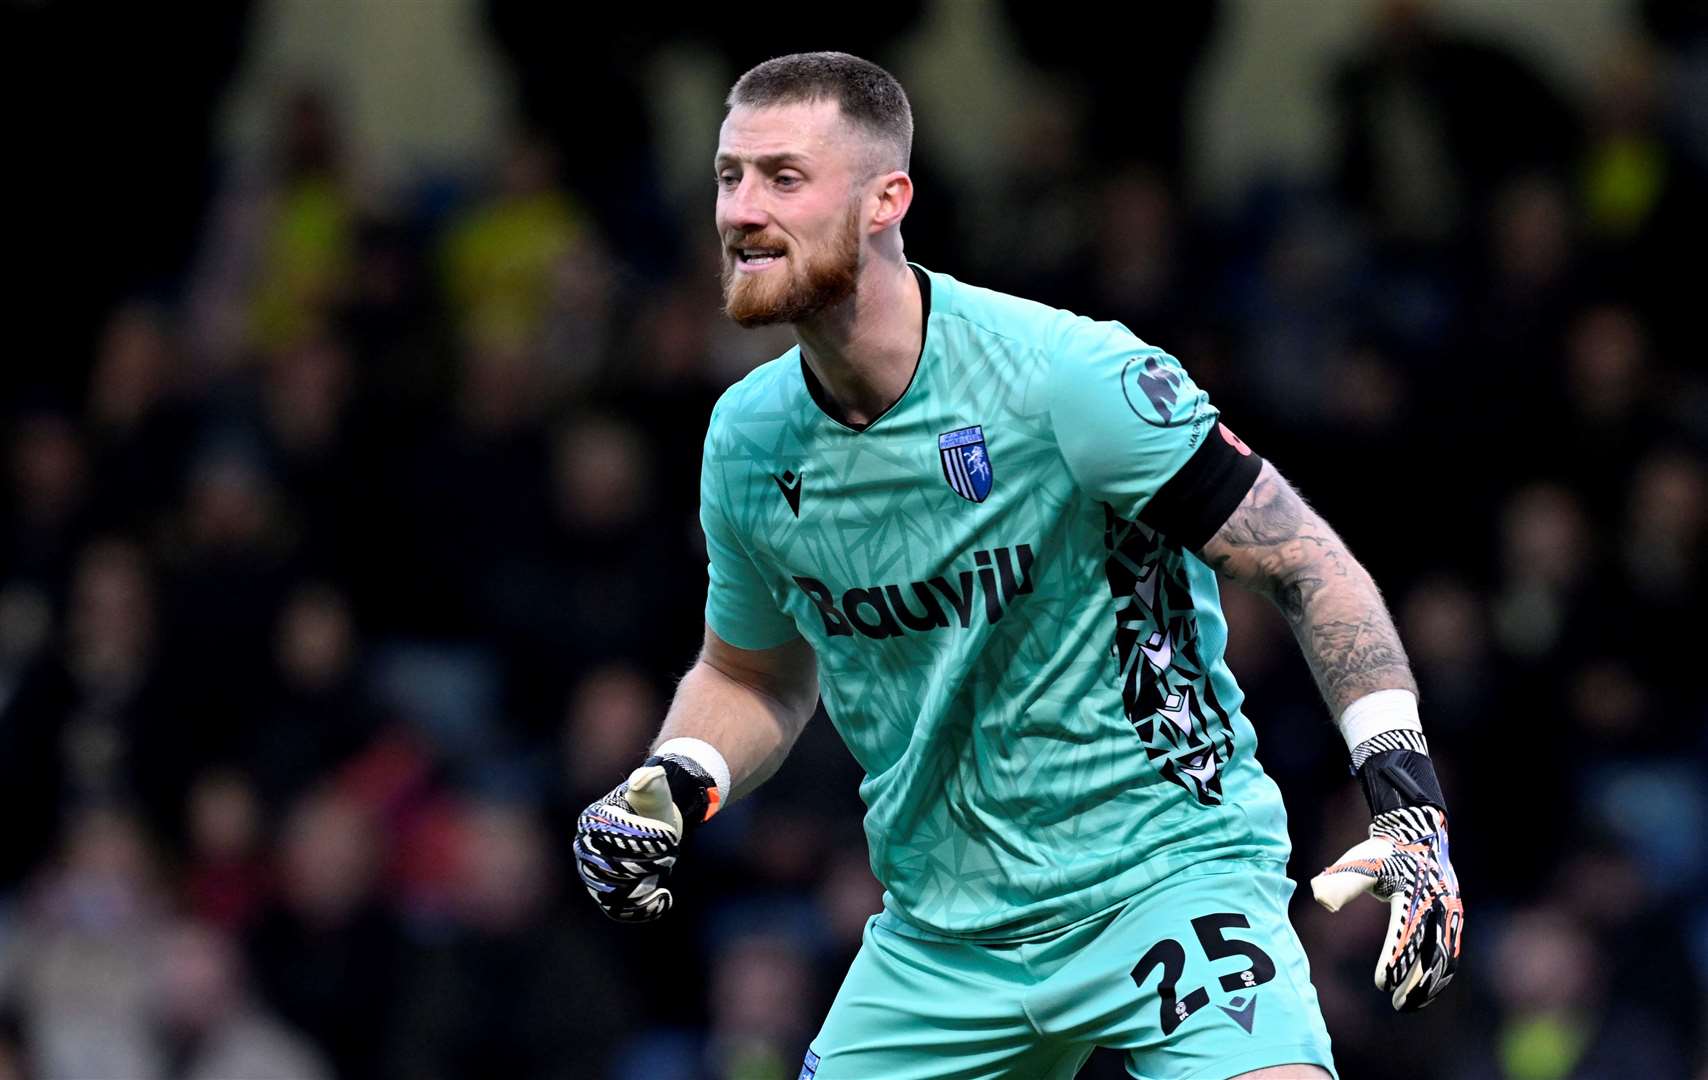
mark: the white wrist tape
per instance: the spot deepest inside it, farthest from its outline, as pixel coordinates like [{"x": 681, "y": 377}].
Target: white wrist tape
[
  {"x": 703, "y": 754},
  {"x": 1373, "y": 714}
]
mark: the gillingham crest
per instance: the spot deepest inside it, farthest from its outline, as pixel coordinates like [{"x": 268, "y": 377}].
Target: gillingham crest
[{"x": 966, "y": 462}]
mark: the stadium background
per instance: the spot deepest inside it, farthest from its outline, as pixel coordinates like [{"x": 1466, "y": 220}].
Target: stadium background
[{"x": 358, "y": 361}]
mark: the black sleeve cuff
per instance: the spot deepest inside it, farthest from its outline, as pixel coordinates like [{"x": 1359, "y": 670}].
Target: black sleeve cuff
[{"x": 1198, "y": 499}]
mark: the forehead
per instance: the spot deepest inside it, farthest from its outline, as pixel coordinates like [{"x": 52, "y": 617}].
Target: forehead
[{"x": 814, "y": 130}]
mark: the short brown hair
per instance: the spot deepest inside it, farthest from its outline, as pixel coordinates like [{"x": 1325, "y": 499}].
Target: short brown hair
[{"x": 868, "y": 96}]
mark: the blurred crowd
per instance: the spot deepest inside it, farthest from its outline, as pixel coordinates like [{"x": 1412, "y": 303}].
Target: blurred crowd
[{"x": 361, "y": 551}]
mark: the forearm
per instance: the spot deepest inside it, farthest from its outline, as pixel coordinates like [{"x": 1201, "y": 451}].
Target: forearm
[
  {"x": 1344, "y": 628},
  {"x": 1278, "y": 546},
  {"x": 753, "y": 727}
]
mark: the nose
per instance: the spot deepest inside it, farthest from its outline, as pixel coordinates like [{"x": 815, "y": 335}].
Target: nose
[{"x": 741, "y": 208}]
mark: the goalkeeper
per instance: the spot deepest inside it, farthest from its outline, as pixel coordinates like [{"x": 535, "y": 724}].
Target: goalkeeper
[{"x": 987, "y": 533}]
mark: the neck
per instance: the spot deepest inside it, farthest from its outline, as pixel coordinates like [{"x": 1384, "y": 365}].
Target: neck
[{"x": 864, "y": 350}]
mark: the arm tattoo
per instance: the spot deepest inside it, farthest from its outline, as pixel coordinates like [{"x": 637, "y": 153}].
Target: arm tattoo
[{"x": 1276, "y": 545}]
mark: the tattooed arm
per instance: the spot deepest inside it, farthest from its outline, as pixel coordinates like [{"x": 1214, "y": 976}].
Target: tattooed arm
[{"x": 1276, "y": 545}]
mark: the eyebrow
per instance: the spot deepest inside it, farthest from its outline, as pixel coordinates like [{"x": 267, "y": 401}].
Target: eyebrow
[{"x": 764, "y": 161}]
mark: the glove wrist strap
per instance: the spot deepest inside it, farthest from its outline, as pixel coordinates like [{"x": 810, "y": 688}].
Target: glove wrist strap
[
  {"x": 692, "y": 788},
  {"x": 1393, "y": 779}
]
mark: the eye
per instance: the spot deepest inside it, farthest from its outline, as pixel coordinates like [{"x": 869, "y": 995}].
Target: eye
[
  {"x": 728, "y": 179},
  {"x": 786, "y": 180}
]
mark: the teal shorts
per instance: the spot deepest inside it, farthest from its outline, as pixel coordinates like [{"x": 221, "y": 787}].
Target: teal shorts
[{"x": 1200, "y": 977}]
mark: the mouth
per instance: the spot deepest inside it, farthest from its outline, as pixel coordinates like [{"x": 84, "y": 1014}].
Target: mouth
[{"x": 754, "y": 259}]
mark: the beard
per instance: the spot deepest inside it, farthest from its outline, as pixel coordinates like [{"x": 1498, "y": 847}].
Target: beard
[{"x": 802, "y": 289}]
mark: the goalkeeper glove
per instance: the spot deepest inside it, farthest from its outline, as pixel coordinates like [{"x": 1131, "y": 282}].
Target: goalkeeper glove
[
  {"x": 1405, "y": 863},
  {"x": 625, "y": 844}
]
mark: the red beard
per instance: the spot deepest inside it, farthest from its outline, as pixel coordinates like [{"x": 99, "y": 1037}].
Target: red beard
[{"x": 795, "y": 292}]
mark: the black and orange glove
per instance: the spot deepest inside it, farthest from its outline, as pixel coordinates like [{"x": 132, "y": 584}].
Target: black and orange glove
[
  {"x": 1405, "y": 863},
  {"x": 626, "y": 843}
]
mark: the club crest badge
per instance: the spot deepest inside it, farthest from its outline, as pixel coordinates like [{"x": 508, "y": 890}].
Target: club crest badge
[{"x": 966, "y": 462}]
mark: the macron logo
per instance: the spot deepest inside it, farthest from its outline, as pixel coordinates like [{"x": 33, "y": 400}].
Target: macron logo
[
  {"x": 790, "y": 485},
  {"x": 1244, "y": 1014}
]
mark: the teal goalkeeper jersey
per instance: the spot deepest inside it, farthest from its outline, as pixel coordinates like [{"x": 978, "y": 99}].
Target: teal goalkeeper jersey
[{"x": 1030, "y": 676}]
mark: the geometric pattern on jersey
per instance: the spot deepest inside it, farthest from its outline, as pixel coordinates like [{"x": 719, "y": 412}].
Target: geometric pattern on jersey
[
  {"x": 1166, "y": 689},
  {"x": 967, "y": 648}
]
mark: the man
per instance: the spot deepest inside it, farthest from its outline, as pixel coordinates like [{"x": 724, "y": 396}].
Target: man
[{"x": 987, "y": 532}]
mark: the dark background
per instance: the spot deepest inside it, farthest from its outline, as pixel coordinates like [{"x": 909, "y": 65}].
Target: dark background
[{"x": 348, "y": 542}]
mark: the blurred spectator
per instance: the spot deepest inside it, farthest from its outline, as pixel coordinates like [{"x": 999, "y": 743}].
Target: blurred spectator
[
  {"x": 675, "y": 380},
  {"x": 110, "y": 642},
  {"x": 232, "y": 569},
  {"x": 511, "y": 991},
  {"x": 599, "y": 112},
  {"x": 317, "y": 715},
  {"x": 1433, "y": 120},
  {"x": 1128, "y": 121},
  {"x": 502, "y": 258},
  {"x": 1554, "y": 1019},
  {"x": 1546, "y": 550},
  {"x": 1609, "y": 402},
  {"x": 47, "y": 487},
  {"x": 1604, "y": 887},
  {"x": 91, "y": 721},
  {"x": 467, "y": 489},
  {"x": 308, "y": 425},
  {"x": 503, "y": 390},
  {"x": 1294, "y": 306},
  {"x": 582, "y": 587},
  {"x": 1524, "y": 294},
  {"x": 760, "y": 997},
  {"x": 278, "y": 259},
  {"x": 1665, "y": 530},
  {"x": 1640, "y": 187},
  {"x": 26, "y": 628},
  {"x": 848, "y": 898},
  {"x": 392, "y": 322},
  {"x": 759, "y": 1020},
  {"x": 1136, "y": 259},
  {"x": 225, "y": 874},
  {"x": 1626, "y": 168},
  {"x": 1445, "y": 626},
  {"x": 578, "y": 335},
  {"x": 307, "y": 241},
  {"x": 307, "y": 392},
  {"x": 611, "y": 717},
  {"x": 87, "y": 940},
  {"x": 325, "y": 953},
  {"x": 139, "y": 422},
  {"x": 210, "y": 1028}
]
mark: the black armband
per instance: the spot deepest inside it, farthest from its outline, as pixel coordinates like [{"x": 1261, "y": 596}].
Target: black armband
[
  {"x": 1397, "y": 778},
  {"x": 690, "y": 787},
  {"x": 1202, "y": 494}
]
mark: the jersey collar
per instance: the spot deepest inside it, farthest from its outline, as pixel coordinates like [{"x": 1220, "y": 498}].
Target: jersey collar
[{"x": 823, "y": 399}]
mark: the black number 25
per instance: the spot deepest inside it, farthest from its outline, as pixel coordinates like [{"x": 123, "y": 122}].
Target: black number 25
[{"x": 1170, "y": 955}]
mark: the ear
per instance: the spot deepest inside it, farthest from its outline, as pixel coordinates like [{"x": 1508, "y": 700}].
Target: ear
[{"x": 894, "y": 194}]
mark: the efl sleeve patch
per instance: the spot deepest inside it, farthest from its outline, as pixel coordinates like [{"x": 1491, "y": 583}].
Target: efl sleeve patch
[{"x": 1126, "y": 415}]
